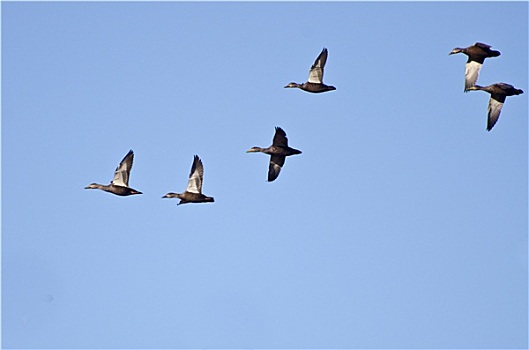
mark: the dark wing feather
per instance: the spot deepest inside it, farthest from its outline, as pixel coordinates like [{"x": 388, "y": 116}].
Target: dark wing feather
[
  {"x": 322, "y": 58},
  {"x": 505, "y": 87},
  {"x": 276, "y": 162},
  {"x": 483, "y": 46},
  {"x": 280, "y": 138}
]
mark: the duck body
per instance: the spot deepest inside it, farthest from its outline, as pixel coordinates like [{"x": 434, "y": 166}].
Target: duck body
[
  {"x": 477, "y": 54},
  {"x": 278, "y": 152},
  {"x": 189, "y": 197},
  {"x": 498, "y": 93},
  {"x": 193, "y": 192},
  {"x": 120, "y": 184},
  {"x": 315, "y": 83},
  {"x": 311, "y": 87},
  {"x": 117, "y": 190}
]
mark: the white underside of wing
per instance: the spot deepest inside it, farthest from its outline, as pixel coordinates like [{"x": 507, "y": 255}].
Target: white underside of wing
[
  {"x": 120, "y": 178},
  {"x": 316, "y": 76},
  {"x": 494, "y": 111},
  {"x": 194, "y": 185},
  {"x": 472, "y": 69}
]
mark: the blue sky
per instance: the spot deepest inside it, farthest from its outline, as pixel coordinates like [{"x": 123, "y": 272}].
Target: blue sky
[{"x": 402, "y": 225}]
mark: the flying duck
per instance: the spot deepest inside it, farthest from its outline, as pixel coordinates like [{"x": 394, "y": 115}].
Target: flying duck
[
  {"x": 498, "y": 93},
  {"x": 120, "y": 184},
  {"x": 315, "y": 82},
  {"x": 278, "y": 152},
  {"x": 193, "y": 192},
  {"x": 476, "y": 56}
]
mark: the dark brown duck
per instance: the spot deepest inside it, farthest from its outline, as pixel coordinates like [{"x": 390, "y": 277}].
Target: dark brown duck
[
  {"x": 278, "y": 151},
  {"x": 476, "y": 56},
  {"x": 498, "y": 93},
  {"x": 193, "y": 192},
  {"x": 315, "y": 82},
  {"x": 120, "y": 185}
]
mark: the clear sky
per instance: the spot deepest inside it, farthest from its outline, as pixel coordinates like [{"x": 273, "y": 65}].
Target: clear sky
[{"x": 403, "y": 224}]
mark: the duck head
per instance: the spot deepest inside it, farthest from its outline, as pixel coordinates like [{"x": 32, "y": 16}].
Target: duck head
[
  {"x": 292, "y": 85},
  {"x": 172, "y": 195}
]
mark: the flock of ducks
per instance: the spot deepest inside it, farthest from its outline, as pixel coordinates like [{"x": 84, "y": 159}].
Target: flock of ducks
[
  {"x": 477, "y": 54},
  {"x": 278, "y": 152},
  {"x": 120, "y": 185},
  {"x": 279, "y": 149}
]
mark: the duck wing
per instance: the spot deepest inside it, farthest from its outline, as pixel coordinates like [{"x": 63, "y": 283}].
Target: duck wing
[
  {"x": 472, "y": 69},
  {"x": 276, "y": 162},
  {"x": 196, "y": 175},
  {"x": 507, "y": 88},
  {"x": 316, "y": 71},
  {"x": 498, "y": 94},
  {"x": 122, "y": 172},
  {"x": 483, "y": 46},
  {"x": 280, "y": 138},
  {"x": 495, "y": 104}
]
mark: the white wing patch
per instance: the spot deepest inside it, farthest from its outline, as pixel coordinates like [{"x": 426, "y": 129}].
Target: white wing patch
[
  {"x": 121, "y": 178},
  {"x": 194, "y": 184},
  {"x": 472, "y": 69},
  {"x": 316, "y": 75}
]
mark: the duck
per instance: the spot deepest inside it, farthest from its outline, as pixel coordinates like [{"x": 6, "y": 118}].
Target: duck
[
  {"x": 120, "y": 185},
  {"x": 498, "y": 93},
  {"x": 315, "y": 82},
  {"x": 193, "y": 192},
  {"x": 476, "y": 56},
  {"x": 278, "y": 151}
]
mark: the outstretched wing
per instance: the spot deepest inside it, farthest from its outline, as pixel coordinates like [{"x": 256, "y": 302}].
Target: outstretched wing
[
  {"x": 195, "y": 177},
  {"x": 122, "y": 172},
  {"x": 472, "y": 69},
  {"x": 495, "y": 104},
  {"x": 316, "y": 71},
  {"x": 280, "y": 138},
  {"x": 276, "y": 162}
]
